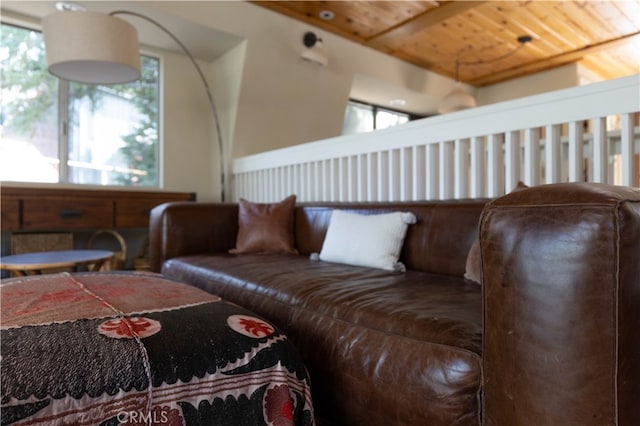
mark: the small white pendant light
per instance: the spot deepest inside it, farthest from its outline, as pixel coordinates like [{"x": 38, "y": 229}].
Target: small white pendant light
[{"x": 458, "y": 99}]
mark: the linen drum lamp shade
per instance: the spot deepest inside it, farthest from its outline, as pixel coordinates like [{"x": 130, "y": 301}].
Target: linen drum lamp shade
[{"x": 91, "y": 47}]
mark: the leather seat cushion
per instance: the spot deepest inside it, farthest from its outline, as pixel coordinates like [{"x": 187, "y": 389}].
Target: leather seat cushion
[
  {"x": 435, "y": 308},
  {"x": 377, "y": 344}
]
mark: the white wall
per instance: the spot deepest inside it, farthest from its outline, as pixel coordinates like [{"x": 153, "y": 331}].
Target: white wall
[
  {"x": 191, "y": 154},
  {"x": 187, "y": 138},
  {"x": 284, "y": 100},
  {"x": 546, "y": 81},
  {"x": 267, "y": 97},
  {"x": 226, "y": 97},
  {"x": 281, "y": 100}
]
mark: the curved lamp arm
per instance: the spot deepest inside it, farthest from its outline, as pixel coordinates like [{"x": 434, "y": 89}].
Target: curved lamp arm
[{"x": 206, "y": 86}]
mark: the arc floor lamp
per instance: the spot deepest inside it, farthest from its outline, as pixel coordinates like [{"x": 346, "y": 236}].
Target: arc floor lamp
[{"x": 98, "y": 48}]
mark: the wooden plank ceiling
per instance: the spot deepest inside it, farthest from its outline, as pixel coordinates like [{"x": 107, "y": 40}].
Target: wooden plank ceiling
[{"x": 482, "y": 36}]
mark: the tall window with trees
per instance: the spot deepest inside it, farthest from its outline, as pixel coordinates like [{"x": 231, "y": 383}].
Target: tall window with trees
[{"x": 59, "y": 131}]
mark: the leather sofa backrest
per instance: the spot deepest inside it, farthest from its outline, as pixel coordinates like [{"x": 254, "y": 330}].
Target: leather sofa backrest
[{"x": 439, "y": 242}]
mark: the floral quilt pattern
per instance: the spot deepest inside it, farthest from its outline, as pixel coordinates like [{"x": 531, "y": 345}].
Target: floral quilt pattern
[{"x": 137, "y": 349}]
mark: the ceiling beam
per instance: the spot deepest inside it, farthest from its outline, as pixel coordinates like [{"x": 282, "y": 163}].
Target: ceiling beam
[
  {"x": 553, "y": 61},
  {"x": 431, "y": 17}
]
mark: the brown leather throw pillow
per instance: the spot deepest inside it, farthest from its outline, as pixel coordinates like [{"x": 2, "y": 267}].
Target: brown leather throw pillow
[{"x": 265, "y": 228}]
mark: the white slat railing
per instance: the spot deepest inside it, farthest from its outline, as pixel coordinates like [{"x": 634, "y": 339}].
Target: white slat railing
[{"x": 583, "y": 133}]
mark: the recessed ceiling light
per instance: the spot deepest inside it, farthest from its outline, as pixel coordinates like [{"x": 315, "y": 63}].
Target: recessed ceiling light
[
  {"x": 397, "y": 102},
  {"x": 326, "y": 15}
]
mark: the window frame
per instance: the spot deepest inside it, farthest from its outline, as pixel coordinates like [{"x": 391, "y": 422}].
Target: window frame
[
  {"x": 375, "y": 108},
  {"x": 63, "y": 117}
]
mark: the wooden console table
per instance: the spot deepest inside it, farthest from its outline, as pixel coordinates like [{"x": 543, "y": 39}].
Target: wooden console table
[{"x": 52, "y": 209}]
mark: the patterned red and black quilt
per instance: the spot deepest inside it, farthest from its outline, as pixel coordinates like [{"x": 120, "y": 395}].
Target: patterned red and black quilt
[{"x": 137, "y": 349}]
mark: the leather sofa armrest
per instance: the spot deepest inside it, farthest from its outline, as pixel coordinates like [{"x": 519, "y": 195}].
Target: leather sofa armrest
[
  {"x": 561, "y": 295},
  {"x": 182, "y": 228}
]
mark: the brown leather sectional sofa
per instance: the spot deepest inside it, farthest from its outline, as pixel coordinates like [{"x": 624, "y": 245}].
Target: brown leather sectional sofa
[{"x": 549, "y": 338}]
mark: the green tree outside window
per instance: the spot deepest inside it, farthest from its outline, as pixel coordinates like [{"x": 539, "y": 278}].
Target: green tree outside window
[{"x": 105, "y": 135}]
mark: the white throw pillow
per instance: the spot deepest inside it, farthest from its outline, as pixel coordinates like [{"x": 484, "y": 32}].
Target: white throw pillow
[{"x": 366, "y": 240}]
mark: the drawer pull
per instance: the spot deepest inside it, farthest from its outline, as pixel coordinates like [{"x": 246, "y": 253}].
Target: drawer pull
[{"x": 71, "y": 214}]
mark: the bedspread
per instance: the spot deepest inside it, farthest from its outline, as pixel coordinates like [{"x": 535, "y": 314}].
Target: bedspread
[{"x": 135, "y": 348}]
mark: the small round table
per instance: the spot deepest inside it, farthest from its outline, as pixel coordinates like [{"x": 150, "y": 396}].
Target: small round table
[{"x": 22, "y": 264}]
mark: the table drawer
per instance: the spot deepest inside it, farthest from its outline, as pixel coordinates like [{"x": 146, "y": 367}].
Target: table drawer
[
  {"x": 134, "y": 213},
  {"x": 10, "y": 213},
  {"x": 67, "y": 214}
]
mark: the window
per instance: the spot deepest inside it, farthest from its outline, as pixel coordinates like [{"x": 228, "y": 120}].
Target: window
[
  {"x": 361, "y": 117},
  {"x": 59, "y": 131}
]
